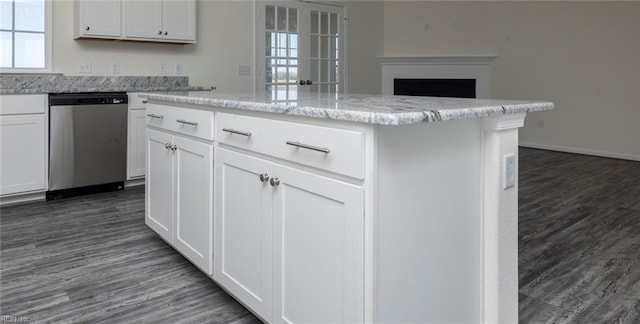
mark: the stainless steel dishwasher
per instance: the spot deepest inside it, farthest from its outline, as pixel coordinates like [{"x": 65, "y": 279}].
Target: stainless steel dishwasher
[{"x": 87, "y": 143}]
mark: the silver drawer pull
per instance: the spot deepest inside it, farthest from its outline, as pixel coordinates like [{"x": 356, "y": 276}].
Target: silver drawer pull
[
  {"x": 155, "y": 116},
  {"x": 194, "y": 124},
  {"x": 233, "y": 131},
  {"x": 309, "y": 147},
  {"x": 145, "y": 101}
]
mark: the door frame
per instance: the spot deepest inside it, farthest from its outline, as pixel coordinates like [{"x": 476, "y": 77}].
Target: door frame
[{"x": 258, "y": 59}]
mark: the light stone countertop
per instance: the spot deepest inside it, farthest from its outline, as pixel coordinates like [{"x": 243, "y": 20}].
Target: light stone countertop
[
  {"x": 58, "y": 83},
  {"x": 360, "y": 108}
]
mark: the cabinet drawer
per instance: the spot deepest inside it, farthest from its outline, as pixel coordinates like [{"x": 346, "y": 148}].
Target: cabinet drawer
[
  {"x": 336, "y": 150},
  {"x": 17, "y": 104},
  {"x": 135, "y": 102},
  {"x": 192, "y": 122}
]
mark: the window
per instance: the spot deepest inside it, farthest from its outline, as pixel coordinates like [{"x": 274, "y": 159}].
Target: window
[{"x": 24, "y": 35}]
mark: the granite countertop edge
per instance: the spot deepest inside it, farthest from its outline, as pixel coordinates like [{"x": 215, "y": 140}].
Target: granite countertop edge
[
  {"x": 415, "y": 115},
  {"x": 99, "y": 89}
]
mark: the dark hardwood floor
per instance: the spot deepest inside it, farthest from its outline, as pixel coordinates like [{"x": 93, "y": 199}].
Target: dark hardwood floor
[
  {"x": 579, "y": 239},
  {"x": 92, "y": 259}
]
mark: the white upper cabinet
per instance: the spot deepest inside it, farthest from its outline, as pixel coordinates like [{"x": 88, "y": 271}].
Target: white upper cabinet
[
  {"x": 161, "y": 20},
  {"x": 98, "y": 18},
  {"x": 143, "y": 19},
  {"x": 179, "y": 20},
  {"x": 148, "y": 20}
]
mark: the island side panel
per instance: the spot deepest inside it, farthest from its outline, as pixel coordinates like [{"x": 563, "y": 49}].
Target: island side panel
[
  {"x": 428, "y": 229},
  {"x": 500, "y": 220}
]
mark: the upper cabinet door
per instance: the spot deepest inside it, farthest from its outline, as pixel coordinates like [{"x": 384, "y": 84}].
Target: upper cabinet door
[
  {"x": 143, "y": 19},
  {"x": 100, "y": 18},
  {"x": 179, "y": 20}
]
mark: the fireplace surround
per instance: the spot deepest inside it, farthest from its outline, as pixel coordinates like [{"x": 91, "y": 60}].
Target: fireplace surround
[{"x": 475, "y": 68}]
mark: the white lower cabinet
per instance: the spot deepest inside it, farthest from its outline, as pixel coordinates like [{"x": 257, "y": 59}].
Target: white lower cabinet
[
  {"x": 23, "y": 145},
  {"x": 136, "y": 155},
  {"x": 178, "y": 198},
  {"x": 288, "y": 243}
]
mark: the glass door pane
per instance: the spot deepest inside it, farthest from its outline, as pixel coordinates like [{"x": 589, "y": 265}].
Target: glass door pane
[
  {"x": 302, "y": 46},
  {"x": 281, "y": 52},
  {"x": 325, "y": 49}
]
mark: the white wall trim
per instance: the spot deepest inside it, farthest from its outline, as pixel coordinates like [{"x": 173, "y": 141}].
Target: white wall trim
[
  {"x": 456, "y": 59},
  {"x": 438, "y": 67},
  {"x": 504, "y": 122},
  {"x": 565, "y": 149}
]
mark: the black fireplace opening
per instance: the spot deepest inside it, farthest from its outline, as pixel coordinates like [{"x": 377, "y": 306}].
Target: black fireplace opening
[{"x": 456, "y": 88}]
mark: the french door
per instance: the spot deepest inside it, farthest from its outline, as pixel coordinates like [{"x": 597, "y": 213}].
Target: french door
[{"x": 300, "y": 48}]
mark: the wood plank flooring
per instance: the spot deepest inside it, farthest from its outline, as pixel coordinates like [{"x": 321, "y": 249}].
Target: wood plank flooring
[
  {"x": 579, "y": 239},
  {"x": 92, "y": 259}
]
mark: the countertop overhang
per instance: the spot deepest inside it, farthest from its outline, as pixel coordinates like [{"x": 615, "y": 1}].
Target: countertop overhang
[{"x": 360, "y": 108}]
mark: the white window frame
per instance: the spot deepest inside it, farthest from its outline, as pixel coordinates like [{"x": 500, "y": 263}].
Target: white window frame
[{"x": 48, "y": 50}]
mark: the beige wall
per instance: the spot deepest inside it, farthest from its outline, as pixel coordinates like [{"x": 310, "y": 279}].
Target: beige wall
[
  {"x": 414, "y": 28},
  {"x": 225, "y": 40},
  {"x": 365, "y": 45},
  {"x": 212, "y": 61},
  {"x": 583, "y": 56}
]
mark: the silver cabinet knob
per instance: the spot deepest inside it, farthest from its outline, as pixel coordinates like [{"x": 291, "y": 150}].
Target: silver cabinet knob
[
  {"x": 167, "y": 146},
  {"x": 86, "y": 28},
  {"x": 166, "y": 33},
  {"x": 174, "y": 147},
  {"x": 159, "y": 32},
  {"x": 274, "y": 182},
  {"x": 264, "y": 177}
]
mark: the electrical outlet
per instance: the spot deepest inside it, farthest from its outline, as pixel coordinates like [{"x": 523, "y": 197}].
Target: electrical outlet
[
  {"x": 115, "y": 68},
  {"x": 178, "y": 68},
  {"x": 244, "y": 70},
  {"x": 163, "y": 69},
  {"x": 509, "y": 175},
  {"x": 84, "y": 66}
]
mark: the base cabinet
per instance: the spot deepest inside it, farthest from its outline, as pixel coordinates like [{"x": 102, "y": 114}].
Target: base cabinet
[
  {"x": 23, "y": 146},
  {"x": 178, "y": 198},
  {"x": 289, "y": 243},
  {"x": 136, "y": 156}
]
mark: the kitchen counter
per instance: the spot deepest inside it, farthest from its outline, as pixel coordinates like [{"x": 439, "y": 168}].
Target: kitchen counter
[
  {"x": 58, "y": 83},
  {"x": 375, "y": 209},
  {"x": 370, "y": 109}
]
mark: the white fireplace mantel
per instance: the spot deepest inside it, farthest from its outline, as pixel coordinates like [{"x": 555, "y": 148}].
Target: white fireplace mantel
[{"x": 438, "y": 67}]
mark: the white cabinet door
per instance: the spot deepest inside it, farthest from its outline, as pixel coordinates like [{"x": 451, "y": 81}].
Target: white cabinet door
[
  {"x": 179, "y": 20},
  {"x": 100, "y": 18},
  {"x": 22, "y": 153},
  {"x": 318, "y": 249},
  {"x": 193, "y": 200},
  {"x": 136, "y": 160},
  {"x": 159, "y": 184},
  {"x": 243, "y": 238},
  {"x": 143, "y": 18}
]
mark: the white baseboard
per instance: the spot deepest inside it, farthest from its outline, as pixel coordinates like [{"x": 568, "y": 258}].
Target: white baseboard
[
  {"x": 631, "y": 157},
  {"x": 134, "y": 182},
  {"x": 22, "y": 198}
]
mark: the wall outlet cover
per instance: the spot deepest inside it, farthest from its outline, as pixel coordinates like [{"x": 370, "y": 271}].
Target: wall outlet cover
[{"x": 509, "y": 171}]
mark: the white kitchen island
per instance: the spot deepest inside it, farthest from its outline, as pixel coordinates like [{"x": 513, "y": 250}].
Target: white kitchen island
[{"x": 352, "y": 209}]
